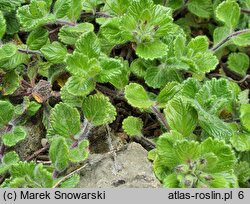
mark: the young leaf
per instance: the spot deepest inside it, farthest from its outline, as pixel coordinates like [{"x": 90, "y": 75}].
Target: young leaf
[
  {"x": 242, "y": 39},
  {"x": 157, "y": 76},
  {"x": 18, "y": 134},
  {"x": 37, "y": 38},
  {"x": 71, "y": 182},
  {"x": 74, "y": 12},
  {"x": 241, "y": 141},
  {"x": 231, "y": 18},
  {"x": 181, "y": 116},
  {"x": 24, "y": 174},
  {"x": 6, "y": 113},
  {"x": 152, "y": 50},
  {"x": 8, "y": 160},
  {"x": 198, "y": 44},
  {"x": 55, "y": 52},
  {"x": 111, "y": 68},
  {"x": 34, "y": 15},
  {"x": 10, "y": 83},
  {"x": 6, "y": 52},
  {"x": 211, "y": 124},
  {"x": 59, "y": 153},
  {"x": 80, "y": 85},
  {"x": 70, "y": 99},
  {"x": 69, "y": 35},
  {"x": 245, "y": 116},
  {"x": 65, "y": 120},
  {"x": 79, "y": 64},
  {"x": 238, "y": 62},
  {"x": 168, "y": 92},
  {"x": 132, "y": 126},
  {"x": 137, "y": 96},
  {"x": 61, "y": 8},
  {"x": 2, "y": 24},
  {"x": 89, "y": 45},
  {"x": 201, "y": 8},
  {"x": 79, "y": 153},
  {"x": 98, "y": 110}
]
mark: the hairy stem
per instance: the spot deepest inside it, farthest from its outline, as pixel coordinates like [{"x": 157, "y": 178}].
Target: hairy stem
[
  {"x": 63, "y": 22},
  {"x": 2, "y": 150},
  {"x": 222, "y": 42},
  {"x": 145, "y": 142},
  {"x": 117, "y": 166},
  {"x": 35, "y": 154},
  {"x": 160, "y": 117},
  {"x": 33, "y": 52},
  {"x": 87, "y": 126},
  {"x": 247, "y": 11}
]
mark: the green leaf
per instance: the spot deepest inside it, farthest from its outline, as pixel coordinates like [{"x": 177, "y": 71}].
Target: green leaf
[
  {"x": 205, "y": 62},
  {"x": 8, "y": 160},
  {"x": 70, "y": 99},
  {"x": 245, "y": 116},
  {"x": 80, "y": 65},
  {"x": 221, "y": 33},
  {"x": 132, "y": 126},
  {"x": 69, "y": 35},
  {"x": 2, "y": 24},
  {"x": 137, "y": 96},
  {"x": 10, "y": 83},
  {"x": 79, "y": 153},
  {"x": 242, "y": 39},
  {"x": 198, "y": 44},
  {"x": 61, "y": 8},
  {"x": 70, "y": 182},
  {"x": 241, "y": 141},
  {"x": 157, "y": 76},
  {"x": 17, "y": 134},
  {"x": 201, "y": 8},
  {"x": 224, "y": 153},
  {"x": 139, "y": 67},
  {"x": 12, "y": 23},
  {"x": 212, "y": 93},
  {"x": 55, "y": 52},
  {"x": 179, "y": 45},
  {"x": 98, "y": 110},
  {"x": 37, "y": 38},
  {"x": 6, "y": 52},
  {"x": 168, "y": 92},
  {"x": 152, "y": 50},
  {"x": 181, "y": 116},
  {"x": 80, "y": 85},
  {"x": 34, "y": 15},
  {"x": 28, "y": 174},
  {"x": 76, "y": 7},
  {"x": 231, "y": 18},
  {"x": 89, "y": 45},
  {"x": 242, "y": 170},
  {"x": 111, "y": 68},
  {"x": 211, "y": 124},
  {"x": 65, "y": 120},
  {"x": 6, "y": 113},
  {"x": 10, "y": 5},
  {"x": 238, "y": 62},
  {"x": 59, "y": 153},
  {"x": 111, "y": 33}
]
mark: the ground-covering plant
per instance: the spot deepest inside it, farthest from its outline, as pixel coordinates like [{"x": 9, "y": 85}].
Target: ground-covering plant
[{"x": 179, "y": 70}]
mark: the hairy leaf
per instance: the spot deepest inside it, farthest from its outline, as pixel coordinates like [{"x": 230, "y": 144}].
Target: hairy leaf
[
  {"x": 59, "y": 153},
  {"x": 137, "y": 96},
  {"x": 132, "y": 126},
  {"x": 98, "y": 110}
]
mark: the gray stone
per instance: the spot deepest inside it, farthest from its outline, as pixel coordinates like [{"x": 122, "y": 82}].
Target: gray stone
[{"x": 135, "y": 172}]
